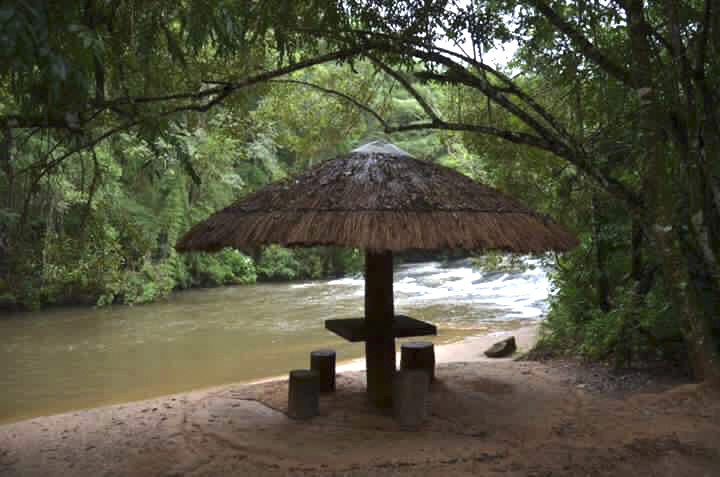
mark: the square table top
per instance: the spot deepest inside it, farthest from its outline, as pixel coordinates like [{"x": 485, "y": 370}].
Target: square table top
[{"x": 353, "y": 329}]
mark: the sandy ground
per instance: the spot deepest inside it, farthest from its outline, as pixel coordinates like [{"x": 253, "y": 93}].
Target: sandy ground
[{"x": 486, "y": 418}]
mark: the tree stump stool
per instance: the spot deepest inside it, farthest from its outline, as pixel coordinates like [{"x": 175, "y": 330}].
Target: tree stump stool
[
  {"x": 303, "y": 394},
  {"x": 410, "y": 397},
  {"x": 418, "y": 355},
  {"x": 323, "y": 361}
]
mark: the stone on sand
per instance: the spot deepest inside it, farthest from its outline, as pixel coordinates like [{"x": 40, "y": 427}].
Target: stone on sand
[{"x": 502, "y": 348}]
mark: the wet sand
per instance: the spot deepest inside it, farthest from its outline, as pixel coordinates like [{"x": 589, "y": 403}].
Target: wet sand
[{"x": 486, "y": 417}]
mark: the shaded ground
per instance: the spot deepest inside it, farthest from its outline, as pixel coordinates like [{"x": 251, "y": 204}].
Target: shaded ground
[{"x": 501, "y": 418}]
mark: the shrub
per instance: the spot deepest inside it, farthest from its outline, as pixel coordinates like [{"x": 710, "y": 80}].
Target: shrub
[
  {"x": 278, "y": 263},
  {"x": 635, "y": 326},
  {"x": 226, "y": 267}
]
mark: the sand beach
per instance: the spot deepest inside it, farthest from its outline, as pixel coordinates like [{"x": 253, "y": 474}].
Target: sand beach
[{"x": 500, "y": 417}]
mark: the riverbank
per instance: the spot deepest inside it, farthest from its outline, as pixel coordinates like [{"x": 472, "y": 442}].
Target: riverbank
[
  {"x": 66, "y": 359},
  {"x": 490, "y": 418}
]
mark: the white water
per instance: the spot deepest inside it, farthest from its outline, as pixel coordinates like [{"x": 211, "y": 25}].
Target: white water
[{"x": 471, "y": 297}]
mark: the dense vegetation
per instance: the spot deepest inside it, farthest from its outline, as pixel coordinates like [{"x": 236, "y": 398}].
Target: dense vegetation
[
  {"x": 100, "y": 229},
  {"x": 124, "y": 122}
]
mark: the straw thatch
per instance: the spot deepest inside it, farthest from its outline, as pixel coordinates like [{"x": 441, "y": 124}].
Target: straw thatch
[{"x": 379, "y": 199}]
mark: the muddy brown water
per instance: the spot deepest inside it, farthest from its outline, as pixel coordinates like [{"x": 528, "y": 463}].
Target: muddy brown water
[{"x": 63, "y": 359}]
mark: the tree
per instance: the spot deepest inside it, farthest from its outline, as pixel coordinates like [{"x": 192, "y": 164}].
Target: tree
[
  {"x": 660, "y": 55},
  {"x": 653, "y": 152}
]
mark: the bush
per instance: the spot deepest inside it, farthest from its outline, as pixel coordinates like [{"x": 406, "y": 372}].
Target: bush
[
  {"x": 323, "y": 262},
  {"x": 226, "y": 267},
  {"x": 635, "y": 327},
  {"x": 278, "y": 263},
  {"x": 241, "y": 266},
  {"x": 150, "y": 283},
  {"x": 495, "y": 261}
]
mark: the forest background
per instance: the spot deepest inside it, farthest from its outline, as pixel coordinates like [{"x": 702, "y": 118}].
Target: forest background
[{"x": 124, "y": 122}]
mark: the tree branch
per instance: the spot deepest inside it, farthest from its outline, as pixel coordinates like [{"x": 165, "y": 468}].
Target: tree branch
[
  {"x": 681, "y": 55},
  {"x": 512, "y": 88},
  {"x": 218, "y": 94},
  {"x": 582, "y": 43},
  {"x": 545, "y": 138},
  {"x": 221, "y": 92},
  {"x": 87, "y": 145},
  {"x": 512, "y": 136},
  {"x": 91, "y": 192},
  {"x": 17, "y": 121},
  {"x": 408, "y": 87},
  {"x": 333, "y": 92},
  {"x": 458, "y": 75},
  {"x": 249, "y": 81},
  {"x": 703, "y": 42}
]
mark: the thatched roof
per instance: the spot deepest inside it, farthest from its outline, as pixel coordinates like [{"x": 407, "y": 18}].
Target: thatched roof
[{"x": 378, "y": 197}]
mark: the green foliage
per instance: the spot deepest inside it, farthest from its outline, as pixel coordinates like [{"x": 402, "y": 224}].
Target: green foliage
[
  {"x": 500, "y": 262},
  {"x": 615, "y": 141},
  {"x": 321, "y": 262},
  {"x": 101, "y": 230},
  {"x": 277, "y": 263},
  {"x": 637, "y": 326},
  {"x": 58, "y": 55},
  {"x": 223, "y": 268}
]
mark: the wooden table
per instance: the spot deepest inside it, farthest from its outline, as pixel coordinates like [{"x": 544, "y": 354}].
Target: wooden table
[{"x": 355, "y": 329}]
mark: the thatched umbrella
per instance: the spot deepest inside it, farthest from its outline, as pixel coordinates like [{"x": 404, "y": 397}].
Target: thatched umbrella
[{"x": 381, "y": 199}]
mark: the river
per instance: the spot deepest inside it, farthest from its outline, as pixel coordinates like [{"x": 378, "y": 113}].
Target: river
[{"x": 63, "y": 359}]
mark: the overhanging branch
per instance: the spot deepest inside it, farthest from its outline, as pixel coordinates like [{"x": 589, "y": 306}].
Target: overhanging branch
[
  {"x": 408, "y": 87},
  {"x": 339, "y": 94},
  {"x": 459, "y": 75},
  {"x": 512, "y": 136},
  {"x": 510, "y": 88},
  {"x": 582, "y": 43},
  {"x": 201, "y": 101}
]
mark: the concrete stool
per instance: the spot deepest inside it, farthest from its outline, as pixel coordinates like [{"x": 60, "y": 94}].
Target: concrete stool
[
  {"x": 323, "y": 361},
  {"x": 303, "y": 394},
  {"x": 418, "y": 355},
  {"x": 410, "y": 397}
]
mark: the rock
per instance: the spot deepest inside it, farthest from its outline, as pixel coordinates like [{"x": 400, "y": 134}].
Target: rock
[{"x": 502, "y": 348}]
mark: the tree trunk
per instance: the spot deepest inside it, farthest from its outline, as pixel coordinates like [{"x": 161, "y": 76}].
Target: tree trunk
[
  {"x": 703, "y": 304},
  {"x": 636, "y": 243},
  {"x": 602, "y": 285},
  {"x": 7, "y": 168},
  {"x": 695, "y": 299},
  {"x": 9, "y": 200}
]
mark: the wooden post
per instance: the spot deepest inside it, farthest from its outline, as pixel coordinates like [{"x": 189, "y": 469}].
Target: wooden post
[
  {"x": 323, "y": 361},
  {"x": 379, "y": 312},
  {"x": 303, "y": 394}
]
